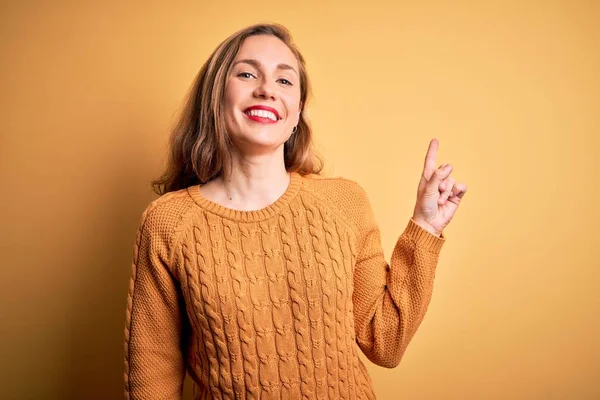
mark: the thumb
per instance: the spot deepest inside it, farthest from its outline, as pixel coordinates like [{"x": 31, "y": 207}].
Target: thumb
[{"x": 439, "y": 175}]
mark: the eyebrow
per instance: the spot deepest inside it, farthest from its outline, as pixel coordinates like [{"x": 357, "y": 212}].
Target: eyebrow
[{"x": 257, "y": 64}]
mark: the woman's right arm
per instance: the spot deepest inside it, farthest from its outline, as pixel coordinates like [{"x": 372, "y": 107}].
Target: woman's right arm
[{"x": 154, "y": 354}]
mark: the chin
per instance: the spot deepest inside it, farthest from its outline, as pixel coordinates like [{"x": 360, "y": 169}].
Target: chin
[{"x": 260, "y": 143}]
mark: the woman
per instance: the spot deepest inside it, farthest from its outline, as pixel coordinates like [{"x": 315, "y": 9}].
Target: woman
[{"x": 251, "y": 271}]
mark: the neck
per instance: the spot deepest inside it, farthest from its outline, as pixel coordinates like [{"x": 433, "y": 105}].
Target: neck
[{"x": 253, "y": 182}]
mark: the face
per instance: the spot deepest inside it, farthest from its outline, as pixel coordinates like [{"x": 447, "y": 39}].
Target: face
[{"x": 262, "y": 95}]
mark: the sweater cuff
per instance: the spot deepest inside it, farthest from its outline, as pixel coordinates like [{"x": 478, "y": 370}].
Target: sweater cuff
[{"x": 424, "y": 239}]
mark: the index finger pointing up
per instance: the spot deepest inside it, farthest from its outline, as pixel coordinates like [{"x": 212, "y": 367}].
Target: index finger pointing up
[{"x": 430, "y": 159}]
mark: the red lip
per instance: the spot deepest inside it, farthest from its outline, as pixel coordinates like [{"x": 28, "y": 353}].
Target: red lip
[{"x": 266, "y": 108}]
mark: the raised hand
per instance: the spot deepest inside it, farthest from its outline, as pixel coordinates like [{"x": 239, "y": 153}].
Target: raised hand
[{"x": 438, "y": 195}]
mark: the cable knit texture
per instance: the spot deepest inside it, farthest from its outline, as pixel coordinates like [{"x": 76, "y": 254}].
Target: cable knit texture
[{"x": 271, "y": 304}]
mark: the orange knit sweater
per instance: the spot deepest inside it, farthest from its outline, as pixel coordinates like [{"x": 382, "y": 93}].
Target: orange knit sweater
[{"x": 269, "y": 304}]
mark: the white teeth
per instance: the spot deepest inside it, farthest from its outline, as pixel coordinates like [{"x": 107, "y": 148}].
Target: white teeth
[{"x": 262, "y": 114}]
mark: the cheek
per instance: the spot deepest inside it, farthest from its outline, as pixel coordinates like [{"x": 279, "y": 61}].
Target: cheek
[
  {"x": 293, "y": 107},
  {"x": 229, "y": 115},
  {"x": 228, "y": 102},
  {"x": 231, "y": 96}
]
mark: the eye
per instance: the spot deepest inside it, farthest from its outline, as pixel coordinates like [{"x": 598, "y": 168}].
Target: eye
[
  {"x": 246, "y": 75},
  {"x": 285, "y": 82}
]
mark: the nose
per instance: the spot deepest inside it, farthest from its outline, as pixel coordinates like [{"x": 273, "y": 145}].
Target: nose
[{"x": 265, "y": 90}]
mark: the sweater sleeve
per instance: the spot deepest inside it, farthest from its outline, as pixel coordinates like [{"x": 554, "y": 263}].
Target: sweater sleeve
[
  {"x": 154, "y": 355},
  {"x": 390, "y": 299}
]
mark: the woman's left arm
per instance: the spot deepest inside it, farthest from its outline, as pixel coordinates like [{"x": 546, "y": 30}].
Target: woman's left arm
[{"x": 390, "y": 300}]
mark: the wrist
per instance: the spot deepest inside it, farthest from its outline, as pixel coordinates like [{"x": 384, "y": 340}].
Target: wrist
[{"x": 426, "y": 226}]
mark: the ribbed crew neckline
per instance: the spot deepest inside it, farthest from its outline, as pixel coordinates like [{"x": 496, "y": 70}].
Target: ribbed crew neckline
[{"x": 249, "y": 216}]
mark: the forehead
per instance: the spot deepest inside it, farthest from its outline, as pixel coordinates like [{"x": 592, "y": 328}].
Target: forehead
[{"x": 267, "y": 50}]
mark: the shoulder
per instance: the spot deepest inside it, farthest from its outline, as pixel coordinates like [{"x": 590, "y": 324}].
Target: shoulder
[
  {"x": 161, "y": 218},
  {"x": 343, "y": 196},
  {"x": 334, "y": 188}
]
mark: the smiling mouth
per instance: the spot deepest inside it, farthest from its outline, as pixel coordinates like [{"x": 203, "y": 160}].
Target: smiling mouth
[{"x": 261, "y": 115}]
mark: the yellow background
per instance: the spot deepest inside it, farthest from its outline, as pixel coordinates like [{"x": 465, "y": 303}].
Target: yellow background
[{"x": 511, "y": 89}]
